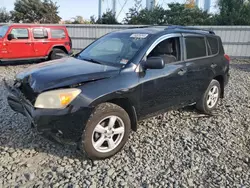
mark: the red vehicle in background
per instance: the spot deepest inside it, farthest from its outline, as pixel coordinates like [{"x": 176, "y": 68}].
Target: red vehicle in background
[{"x": 30, "y": 41}]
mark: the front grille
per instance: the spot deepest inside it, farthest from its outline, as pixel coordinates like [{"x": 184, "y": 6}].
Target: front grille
[{"x": 27, "y": 91}]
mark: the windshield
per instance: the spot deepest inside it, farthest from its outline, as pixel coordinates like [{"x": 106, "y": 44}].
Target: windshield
[
  {"x": 115, "y": 48},
  {"x": 3, "y": 30}
]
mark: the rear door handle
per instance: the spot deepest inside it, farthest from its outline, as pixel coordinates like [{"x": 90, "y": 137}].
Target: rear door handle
[
  {"x": 45, "y": 43},
  {"x": 27, "y": 42},
  {"x": 213, "y": 65},
  {"x": 182, "y": 72}
]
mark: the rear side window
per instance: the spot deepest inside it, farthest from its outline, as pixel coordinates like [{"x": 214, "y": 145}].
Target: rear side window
[
  {"x": 58, "y": 33},
  {"x": 195, "y": 47},
  {"x": 40, "y": 33},
  {"x": 213, "y": 45},
  {"x": 20, "y": 33}
]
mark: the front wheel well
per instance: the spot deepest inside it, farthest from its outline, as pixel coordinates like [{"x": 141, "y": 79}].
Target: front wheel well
[
  {"x": 220, "y": 79},
  {"x": 130, "y": 109}
]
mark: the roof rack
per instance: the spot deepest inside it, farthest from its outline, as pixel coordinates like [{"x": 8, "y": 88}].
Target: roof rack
[{"x": 189, "y": 28}]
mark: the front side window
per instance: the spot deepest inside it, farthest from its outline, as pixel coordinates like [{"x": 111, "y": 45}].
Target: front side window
[
  {"x": 3, "y": 30},
  {"x": 20, "y": 33},
  {"x": 195, "y": 47},
  {"x": 57, "y": 33},
  {"x": 168, "y": 49},
  {"x": 114, "y": 48},
  {"x": 40, "y": 33}
]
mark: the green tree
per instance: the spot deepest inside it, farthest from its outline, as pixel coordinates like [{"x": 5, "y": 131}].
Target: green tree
[
  {"x": 80, "y": 20},
  {"x": 35, "y": 11},
  {"x": 177, "y": 14},
  {"x": 233, "y": 12},
  {"x": 131, "y": 16},
  {"x": 4, "y": 15},
  {"x": 50, "y": 12},
  {"x": 92, "y": 19},
  {"x": 107, "y": 18}
]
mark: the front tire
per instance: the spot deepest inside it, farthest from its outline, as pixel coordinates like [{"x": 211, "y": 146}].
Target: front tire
[
  {"x": 210, "y": 98},
  {"x": 106, "y": 131}
]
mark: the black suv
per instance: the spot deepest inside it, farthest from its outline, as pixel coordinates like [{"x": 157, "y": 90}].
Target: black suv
[{"x": 96, "y": 97}]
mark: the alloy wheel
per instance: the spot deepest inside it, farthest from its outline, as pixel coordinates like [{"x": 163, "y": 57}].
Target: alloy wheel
[
  {"x": 213, "y": 96},
  {"x": 108, "y": 134}
]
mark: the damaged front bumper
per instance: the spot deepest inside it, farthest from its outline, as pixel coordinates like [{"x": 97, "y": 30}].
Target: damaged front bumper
[{"x": 63, "y": 125}]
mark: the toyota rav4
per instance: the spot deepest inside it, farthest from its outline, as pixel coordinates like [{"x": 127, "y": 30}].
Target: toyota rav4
[{"x": 96, "y": 98}]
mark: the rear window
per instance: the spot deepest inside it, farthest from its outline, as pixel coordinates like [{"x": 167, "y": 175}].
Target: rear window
[
  {"x": 195, "y": 47},
  {"x": 213, "y": 45},
  {"x": 58, "y": 33},
  {"x": 40, "y": 33},
  {"x": 20, "y": 33}
]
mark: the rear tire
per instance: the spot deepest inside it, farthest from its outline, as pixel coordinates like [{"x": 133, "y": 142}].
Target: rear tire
[
  {"x": 106, "y": 131},
  {"x": 54, "y": 54},
  {"x": 210, "y": 98}
]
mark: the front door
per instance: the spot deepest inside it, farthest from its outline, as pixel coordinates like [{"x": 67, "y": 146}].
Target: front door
[
  {"x": 164, "y": 89},
  {"x": 21, "y": 46}
]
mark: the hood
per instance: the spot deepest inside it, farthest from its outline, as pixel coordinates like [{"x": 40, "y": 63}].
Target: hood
[{"x": 64, "y": 72}]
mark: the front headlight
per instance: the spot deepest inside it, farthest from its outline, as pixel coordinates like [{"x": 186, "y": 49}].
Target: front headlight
[{"x": 56, "y": 99}]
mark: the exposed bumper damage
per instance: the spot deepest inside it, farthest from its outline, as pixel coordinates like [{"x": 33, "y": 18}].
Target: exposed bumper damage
[{"x": 63, "y": 125}]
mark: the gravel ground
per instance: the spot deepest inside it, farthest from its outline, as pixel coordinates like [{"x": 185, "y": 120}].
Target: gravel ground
[{"x": 178, "y": 149}]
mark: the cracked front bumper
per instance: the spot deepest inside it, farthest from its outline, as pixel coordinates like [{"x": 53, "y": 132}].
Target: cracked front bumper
[{"x": 63, "y": 125}]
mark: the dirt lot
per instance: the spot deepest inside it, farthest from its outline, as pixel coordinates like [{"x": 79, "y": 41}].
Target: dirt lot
[{"x": 177, "y": 149}]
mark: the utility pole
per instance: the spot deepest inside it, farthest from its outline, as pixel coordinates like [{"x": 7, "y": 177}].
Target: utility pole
[
  {"x": 150, "y": 4},
  {"x": 100, "y": 9},
  {"x": 114, "y": 7}
]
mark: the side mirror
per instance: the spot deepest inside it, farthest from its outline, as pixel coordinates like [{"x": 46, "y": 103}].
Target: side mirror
[
  {"x": 154, "y": 63},
  {"x": 10, "y": 36}
]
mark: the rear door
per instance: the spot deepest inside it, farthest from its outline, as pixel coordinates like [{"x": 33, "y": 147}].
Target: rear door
[
  {"x": 40, "y": 41},
  {"x": 21, "y": 45},
  {"x": 200, "y": 70}
]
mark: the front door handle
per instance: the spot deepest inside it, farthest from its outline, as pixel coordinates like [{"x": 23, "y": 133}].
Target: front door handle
[
  {"x": 182, "y": 72},
  {"x": 45, "y": 43},
  {"x": 27, "y": 42},
  {"x": 213, "y": 65}
]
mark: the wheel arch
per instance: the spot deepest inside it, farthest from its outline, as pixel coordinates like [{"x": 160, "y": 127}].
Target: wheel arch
[
  {"x": 220, "y": 79},
  {"x": 129, "y": 108}
]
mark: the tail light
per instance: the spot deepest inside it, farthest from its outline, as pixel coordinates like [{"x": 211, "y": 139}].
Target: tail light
[{"x": 227, "y": 57}]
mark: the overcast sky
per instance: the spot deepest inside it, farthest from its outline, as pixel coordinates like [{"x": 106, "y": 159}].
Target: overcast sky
[{"x": 87, "y": 8}]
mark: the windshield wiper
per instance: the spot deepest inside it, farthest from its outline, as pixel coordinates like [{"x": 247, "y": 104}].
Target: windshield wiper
[{"x": 91, "y": 60}]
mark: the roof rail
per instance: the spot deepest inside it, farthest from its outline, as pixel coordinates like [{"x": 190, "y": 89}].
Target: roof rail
[
  {"x": 139, "y": 26},
  {"x": 189, "y": 28}
]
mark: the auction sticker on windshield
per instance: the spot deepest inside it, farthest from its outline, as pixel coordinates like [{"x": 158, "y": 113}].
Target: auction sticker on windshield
[{"x": 139, "y": 36}]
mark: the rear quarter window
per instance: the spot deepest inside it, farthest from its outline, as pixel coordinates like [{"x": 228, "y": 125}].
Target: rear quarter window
[
  {"x": 57, "y": 33},
  {"x": 213, "y": 45},
  {"x": 195, "y": 47}
]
